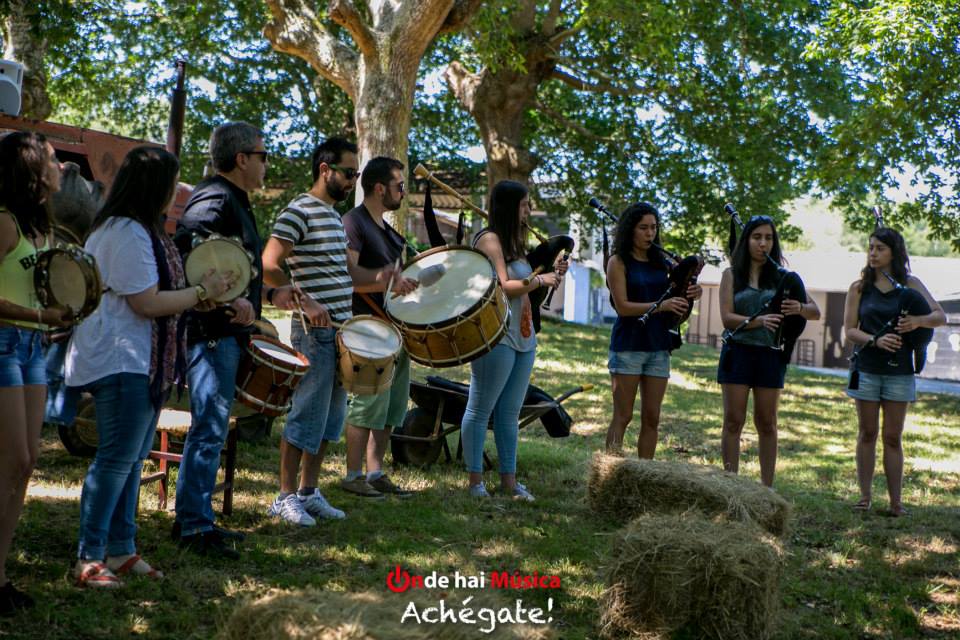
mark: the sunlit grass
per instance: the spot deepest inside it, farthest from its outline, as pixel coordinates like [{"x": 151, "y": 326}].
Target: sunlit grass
[{"x": 849, "y": 575}]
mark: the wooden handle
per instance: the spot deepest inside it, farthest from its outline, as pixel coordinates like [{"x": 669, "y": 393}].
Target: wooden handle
[
  {"x": 421, "y": 171},
  {"x": 529, "y": 278}
]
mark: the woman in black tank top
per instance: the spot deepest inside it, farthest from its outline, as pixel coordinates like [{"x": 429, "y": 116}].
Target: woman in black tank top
[{"x": 884, "y": 378}]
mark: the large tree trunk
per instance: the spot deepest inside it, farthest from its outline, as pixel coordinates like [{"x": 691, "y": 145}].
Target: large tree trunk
[
  {"x": 22, "y": 43},
  {"x": 499, "y": 103},
  {"x": 380, "y": 74}
]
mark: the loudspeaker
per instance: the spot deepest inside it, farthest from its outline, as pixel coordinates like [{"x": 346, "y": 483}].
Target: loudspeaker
[{"x": 11, "y": 80}]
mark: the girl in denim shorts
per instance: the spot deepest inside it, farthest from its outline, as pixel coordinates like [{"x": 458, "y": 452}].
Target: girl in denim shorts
[
  {"x": 750, "y": 359},
  {"x": 29, "y": 173},
  {"x": 882, "y": 376},
  {"x": 639, "y": 353}
]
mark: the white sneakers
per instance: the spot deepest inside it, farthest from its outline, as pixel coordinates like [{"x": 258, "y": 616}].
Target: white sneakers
[
  {"x": 317, "y": 506},
  {"x": 292, "y": 510}
]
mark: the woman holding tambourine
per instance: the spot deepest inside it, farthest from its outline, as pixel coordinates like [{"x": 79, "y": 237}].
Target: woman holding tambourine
[
  {"x": 29, "y": 174},
  {"x": 751, "y": 357},
  {"x": 882, "y": 309}
]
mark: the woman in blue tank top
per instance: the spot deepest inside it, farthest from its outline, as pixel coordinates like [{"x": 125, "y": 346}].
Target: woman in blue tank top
[
  {"x": 499, "y": 380},
  {"x": 639, "y": 353},
  {"x": 750, "y": 359},
  {"x": 884, "y": 371}
]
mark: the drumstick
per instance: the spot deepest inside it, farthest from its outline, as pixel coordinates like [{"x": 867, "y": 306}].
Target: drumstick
[
  {"x": 296, "y": 295},
  {"x": 396, "y": 269}
]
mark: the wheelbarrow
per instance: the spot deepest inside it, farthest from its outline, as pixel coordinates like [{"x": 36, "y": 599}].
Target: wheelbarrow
[{"x": 441, "y": 404}]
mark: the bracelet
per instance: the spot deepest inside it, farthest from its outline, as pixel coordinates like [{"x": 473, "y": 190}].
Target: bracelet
[
  {"x": 270, "y": 292},
  {"x": 539, "y": 282}
]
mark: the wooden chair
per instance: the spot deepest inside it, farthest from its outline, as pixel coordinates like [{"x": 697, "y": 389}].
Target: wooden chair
[{"x": 176, "y": 423}]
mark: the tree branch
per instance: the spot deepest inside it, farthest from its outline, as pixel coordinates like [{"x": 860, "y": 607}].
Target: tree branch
[
  {"x": 345, "y": 13},
  {"x": 550, "y": 20},
  {"x": 459, "y": 15},
  {"x": 597, "y": 86},
  {"x": 296, "y": 29},
  {"x": 559, "y": 38},
  {"x": 566, "y": 123}
]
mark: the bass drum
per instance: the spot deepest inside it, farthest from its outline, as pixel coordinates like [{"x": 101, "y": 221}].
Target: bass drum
[{"x": 459, "y": 317}]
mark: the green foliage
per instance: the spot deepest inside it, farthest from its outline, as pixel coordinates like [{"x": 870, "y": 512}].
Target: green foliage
[
  {"x": 902, "y": 85},
  {"x": 112, "y": 69}
]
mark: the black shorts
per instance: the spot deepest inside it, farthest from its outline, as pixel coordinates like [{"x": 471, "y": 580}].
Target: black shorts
[{"x": 751, "y": 365}]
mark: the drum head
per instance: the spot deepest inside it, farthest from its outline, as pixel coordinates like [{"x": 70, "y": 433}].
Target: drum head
[
  {"x": 222, "y": 254},
  {"x": 277, "y": 351},
  {"x": 370, "y": 337},
  {"x": 468, "y": 278},
  {"x": 67, "y": 281}
]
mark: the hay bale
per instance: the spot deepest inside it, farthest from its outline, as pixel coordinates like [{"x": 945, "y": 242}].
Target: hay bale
[
  {"x": 327, "y": 615},
  {"x": 686, "y": 576},
  {"x": 624, "y": 488}
]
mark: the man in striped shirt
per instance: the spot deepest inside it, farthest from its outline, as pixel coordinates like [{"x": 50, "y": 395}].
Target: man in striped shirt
[{"x": 308, "y": 236}]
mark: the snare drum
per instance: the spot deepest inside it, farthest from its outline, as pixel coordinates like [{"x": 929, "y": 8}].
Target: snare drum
[
  {"x": 269, "y": 371},
  {"x": 460, "y": 317},
  {"x": 223, "y": 254},
  {"x": 67, "y": 276},
  {"x": 367, "y": 352}
]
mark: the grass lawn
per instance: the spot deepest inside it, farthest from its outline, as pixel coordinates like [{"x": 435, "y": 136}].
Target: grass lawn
[{"x": 849, "y": 575}]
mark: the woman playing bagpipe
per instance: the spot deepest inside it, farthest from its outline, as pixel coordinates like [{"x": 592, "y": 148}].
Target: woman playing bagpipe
[
  {"x": 640, "y": 344},
  {"x": 890, "y": 316},
  {"x": 499, "y": 380},
  {"x": 752, "y": 357}
]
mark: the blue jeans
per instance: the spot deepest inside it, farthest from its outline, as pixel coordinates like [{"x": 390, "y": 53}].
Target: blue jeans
[
  {"x": 498, "y": 386},
  {"x": 211, "y": 377},
  {"x": 126, "y": 422},
  {"x": 61, "y": 400},
  {"x": 21, "y": 357},
  {"x": 319, "y": 402}
]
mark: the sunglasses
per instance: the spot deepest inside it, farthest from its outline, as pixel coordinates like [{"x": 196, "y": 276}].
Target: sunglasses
[
  {"x": 399, "y": 186},
  {"x": 759, "y": 219},
  {"x": 264, "y": 155},
  {"x": 348, "y": 172}
]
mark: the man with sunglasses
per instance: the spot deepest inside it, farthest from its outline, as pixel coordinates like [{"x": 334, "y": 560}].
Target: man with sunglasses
[
  {"x": 373, "y": 244},
  {"x": 309, "y": 238},
  {"x": 218, "y": 335}
]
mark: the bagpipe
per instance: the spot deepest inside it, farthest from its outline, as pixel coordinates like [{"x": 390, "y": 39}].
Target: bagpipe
[
  {"x": 789, "y": 287},
  {"x": 910, "y": 302},
  {"x": 682, "y": 273},
  {"x": 542, "y": 259}
]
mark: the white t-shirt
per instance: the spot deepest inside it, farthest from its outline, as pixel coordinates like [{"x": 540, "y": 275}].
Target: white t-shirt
[{"x": 115, "y": 339}]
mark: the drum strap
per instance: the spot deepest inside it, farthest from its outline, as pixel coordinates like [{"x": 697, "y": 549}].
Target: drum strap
[{"x": 373, "y": 305}]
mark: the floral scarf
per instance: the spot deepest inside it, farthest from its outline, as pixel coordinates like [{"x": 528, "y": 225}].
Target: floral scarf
[{"x": 168, "y": 335}]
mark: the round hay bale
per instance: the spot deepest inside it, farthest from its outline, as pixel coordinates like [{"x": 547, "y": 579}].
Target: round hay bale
[
  {"x": 624, "y": 488},
  {"x": 686, "y": 576},
  {"x": 327, "y": 615}
]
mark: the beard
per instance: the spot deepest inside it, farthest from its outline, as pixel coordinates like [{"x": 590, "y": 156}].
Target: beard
[
  {"x": 338, "y": 191},
  {"x": 390, "y": 203}
]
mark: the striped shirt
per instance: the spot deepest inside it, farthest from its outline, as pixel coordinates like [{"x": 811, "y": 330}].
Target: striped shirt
[{"x": 318, "y": 262}]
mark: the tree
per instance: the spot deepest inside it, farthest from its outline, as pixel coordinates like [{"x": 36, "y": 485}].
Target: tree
[
  {"x": 902, "y": 76},
  {"x": 23, "y": 42},
  {"x": 686, "y": 103},
  {"x": 372, "y": 52}
]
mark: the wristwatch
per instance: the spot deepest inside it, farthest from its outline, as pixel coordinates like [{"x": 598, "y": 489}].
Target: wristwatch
[{"x": 201, "y": 292}]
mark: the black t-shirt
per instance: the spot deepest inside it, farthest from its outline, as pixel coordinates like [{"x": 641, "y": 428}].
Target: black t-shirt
[
  {"x": 378, "y": 246},
  {"x": 877, "y": 308}
]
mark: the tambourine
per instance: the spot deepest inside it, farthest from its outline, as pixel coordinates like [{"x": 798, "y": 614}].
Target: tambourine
[
  {"x": 223, "y": 254},
  {"x": 67, "y": 276}
]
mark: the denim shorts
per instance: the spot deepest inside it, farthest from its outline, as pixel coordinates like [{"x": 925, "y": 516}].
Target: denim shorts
[
  {"x": 21, "y": 357},
  {"x": 655, "y": 364},
  {"x": 875, "y": 387},
  {"x": 319, "y": 402},
  {"x": 389, "y": 408},
  {"x": 751, "y": 365}
]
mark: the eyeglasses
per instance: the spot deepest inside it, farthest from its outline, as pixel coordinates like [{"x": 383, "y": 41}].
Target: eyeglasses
[
  {"x": 348, "y": 172},
  {"x": 264, "y": 155},
  {"x": 399, "y": 186}
]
